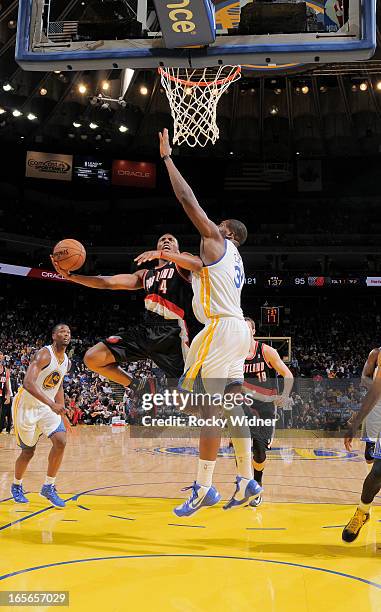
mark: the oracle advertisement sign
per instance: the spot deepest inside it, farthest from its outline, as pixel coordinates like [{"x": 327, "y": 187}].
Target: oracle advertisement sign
[
  {"x": 134, "y": 174},
  {"x": 30, "y": 272},
  {"x": 53, "y": 166}
]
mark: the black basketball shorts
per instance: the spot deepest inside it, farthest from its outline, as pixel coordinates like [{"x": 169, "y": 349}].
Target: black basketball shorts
[{"x": 161, "y": 343}]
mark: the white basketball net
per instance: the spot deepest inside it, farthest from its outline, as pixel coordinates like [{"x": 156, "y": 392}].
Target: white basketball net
[{"x": 193, "y": 96}]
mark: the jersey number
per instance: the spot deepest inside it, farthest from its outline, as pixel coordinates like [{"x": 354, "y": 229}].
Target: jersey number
[
  {"x": 238, "y": 276},
  {"x": 262, "y": 376},
  {"x": 163, "y": 286}
]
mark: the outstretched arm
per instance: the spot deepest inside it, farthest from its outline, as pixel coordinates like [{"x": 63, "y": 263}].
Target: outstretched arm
[
  {"x": 213, "y": 242},
  {"x": 186, "y": 261},
  {"x": 130, "y": 282}
]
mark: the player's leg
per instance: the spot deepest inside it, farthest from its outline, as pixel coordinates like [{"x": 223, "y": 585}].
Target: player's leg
[
  {"x": 26, "y": 437},
  {"x": 8, "y": 416},
  {"x": 2, "y": 415},
  {"x": 369, "y": 453},
  {"x": 371, "y": 486},
  {"x": 100, "y": 359},
  {"x": 106, "y": 356},
  {"x": 259, "y": 463},
  {"x": 21, "y": 465},
  {"x": 52, "y": 426},
  {"x": 203, "y": 493},
  {"x": 247, "y": 488}
]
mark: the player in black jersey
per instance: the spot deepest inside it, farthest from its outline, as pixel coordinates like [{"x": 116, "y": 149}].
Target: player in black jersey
[
  {"x": 169, "y": 323},
  {"x": 261, "y": 368},
  {"x": 5, "y": 397}
]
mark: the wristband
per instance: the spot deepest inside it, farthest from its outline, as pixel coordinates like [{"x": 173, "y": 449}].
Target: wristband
[{"x": 165, "y": 157}]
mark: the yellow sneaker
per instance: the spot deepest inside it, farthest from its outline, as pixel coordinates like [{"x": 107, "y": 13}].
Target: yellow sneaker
[{"x": 353, "y": 528}]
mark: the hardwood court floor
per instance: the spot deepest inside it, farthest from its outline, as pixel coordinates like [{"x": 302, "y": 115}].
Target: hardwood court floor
[{"x": 117, "y": 545}]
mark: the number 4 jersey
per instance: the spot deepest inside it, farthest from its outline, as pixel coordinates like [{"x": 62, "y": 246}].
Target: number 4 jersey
[{"x": 217, "y": 288}]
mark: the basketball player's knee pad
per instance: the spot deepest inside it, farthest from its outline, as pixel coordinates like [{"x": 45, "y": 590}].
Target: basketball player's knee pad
[{"x": 259, "y": 452}]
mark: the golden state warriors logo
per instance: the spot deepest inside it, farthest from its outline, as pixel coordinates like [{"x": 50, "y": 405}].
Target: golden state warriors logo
[{"x": 52, "y": 380}]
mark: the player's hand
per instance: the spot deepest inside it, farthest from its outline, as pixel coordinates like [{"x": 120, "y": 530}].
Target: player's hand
[
  {"x": 165, "y": 147},
  {"x": 58, "y": 269},
  {"x": 147, "y": 256},
  {"x": 348, "y": 443},
  {"x": 7, "y": 399},
  {"x": 58, "y": 408},
  {"x": 281, "y": 401},
  {"x": 349, "y": 435}
]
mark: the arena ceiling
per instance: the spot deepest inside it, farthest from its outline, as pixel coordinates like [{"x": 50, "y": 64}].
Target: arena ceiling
[{"x": 311, "y": 110}]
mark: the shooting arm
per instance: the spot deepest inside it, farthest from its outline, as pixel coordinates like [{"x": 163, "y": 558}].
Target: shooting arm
[
  {"x": 188, "y": 201},
  {"x": 129, "y": 282}
]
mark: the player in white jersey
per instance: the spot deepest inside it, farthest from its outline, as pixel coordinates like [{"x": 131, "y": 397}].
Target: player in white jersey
[
  {"x": 372, "y": 483},
  {"x": 217, "y": 354},
  {"x": 38, "y": 408}
]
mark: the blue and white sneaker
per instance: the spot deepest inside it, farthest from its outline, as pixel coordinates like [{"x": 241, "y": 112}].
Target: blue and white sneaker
[
  {"x": 50, "y": 492},
  {"x": 253, "y": 489},
  {"x": 194, "y": 503},
  {"x": 17, "y": 493},
  {"x": 256, "y": 501}
]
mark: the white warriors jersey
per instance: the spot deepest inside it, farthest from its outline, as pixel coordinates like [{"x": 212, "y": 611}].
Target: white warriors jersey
[
  {"x": 48, "y": 380},
  {"x": 217, "y": 287}
]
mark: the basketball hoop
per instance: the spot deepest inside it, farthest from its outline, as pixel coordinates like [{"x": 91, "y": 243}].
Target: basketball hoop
[{"x": 193, "y": 96}]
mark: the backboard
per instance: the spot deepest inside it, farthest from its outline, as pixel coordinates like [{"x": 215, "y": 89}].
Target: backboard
[{"x": 263, "y": 34}]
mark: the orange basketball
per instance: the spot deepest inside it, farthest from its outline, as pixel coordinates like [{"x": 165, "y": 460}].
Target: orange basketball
[{"x": 70, "y": 254}]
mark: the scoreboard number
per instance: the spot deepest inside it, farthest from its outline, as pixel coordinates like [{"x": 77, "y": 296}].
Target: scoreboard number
[{"x": 270, "y": 315}]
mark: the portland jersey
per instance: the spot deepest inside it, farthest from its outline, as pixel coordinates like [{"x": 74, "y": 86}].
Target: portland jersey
[
  {"x": 169, "y": 296},
  {"x": 4, "y": 376},
  {"x": 217, "y": 287},
  {"x": 258, "y": 373},
  {"x": 48, "y": 380}
]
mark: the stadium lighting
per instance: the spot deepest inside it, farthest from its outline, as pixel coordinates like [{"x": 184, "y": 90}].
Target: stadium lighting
[
  {"x": 305, "y": 89},
  {"x": 274, "y": 110},
  {"x": 2, "y": 111},
  {"x": 105, "y": 85},
  {"x": 363, "y": 86},
  {"x": 123, "y": 129},
  {"x": 76, "y": 124},
  {"x": 43, "y": 91},
  {"x": 7, "y": 87},
  {"x": 144, "y": 90},
  {"x": 82, "y": 88},
  {"x": 378, "y": 85},
  {"x": 93, "y": 126},
  {"x": 31, "y": 116},
  {"x": 16, "y": 113}
]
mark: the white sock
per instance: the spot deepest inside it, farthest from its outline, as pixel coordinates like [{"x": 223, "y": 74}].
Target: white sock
[
  {"x": 205, "y": 472},
  {"x": 17, "y": 482},
  {"x": 364, "y": 507},
  {"x": 50, "y": 480}
]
